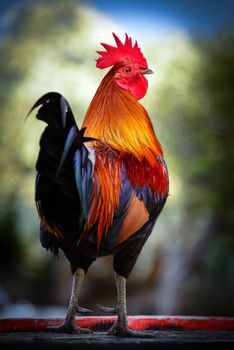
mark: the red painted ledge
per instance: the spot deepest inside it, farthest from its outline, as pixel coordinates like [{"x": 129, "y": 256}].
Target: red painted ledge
[{"x": 135, "y": 322}]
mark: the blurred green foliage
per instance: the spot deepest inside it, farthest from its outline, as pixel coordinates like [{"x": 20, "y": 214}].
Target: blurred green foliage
[{"x": 51, "y": 46}]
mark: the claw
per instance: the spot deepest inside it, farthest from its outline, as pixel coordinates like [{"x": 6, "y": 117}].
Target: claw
[
  {"x": 108, "y": 310},
  {"x": 83, "y": 310}
]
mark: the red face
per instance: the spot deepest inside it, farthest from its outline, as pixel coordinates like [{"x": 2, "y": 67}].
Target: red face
[{"x": 131, "y": 78}]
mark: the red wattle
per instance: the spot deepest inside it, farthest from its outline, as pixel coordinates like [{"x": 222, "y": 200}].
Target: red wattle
[{"x": 137, "y": 86}]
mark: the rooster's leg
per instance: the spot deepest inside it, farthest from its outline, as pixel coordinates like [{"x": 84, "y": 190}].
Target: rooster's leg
[
  {"x": 120, "y": 327},
  {"x": 69, "y": 325}
]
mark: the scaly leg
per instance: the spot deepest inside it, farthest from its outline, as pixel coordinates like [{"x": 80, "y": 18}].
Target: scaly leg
[
  {"x": 120, "y": 327},
  {"x": 69, "y": 325}
]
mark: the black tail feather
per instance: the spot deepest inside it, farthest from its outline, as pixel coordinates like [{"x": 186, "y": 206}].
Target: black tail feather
[
  {"x": 54, "y": 110},
  {"x": 60, "y": 193}
]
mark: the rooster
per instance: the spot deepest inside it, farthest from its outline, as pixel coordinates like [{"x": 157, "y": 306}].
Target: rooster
[{"x": 100, "y": 189}]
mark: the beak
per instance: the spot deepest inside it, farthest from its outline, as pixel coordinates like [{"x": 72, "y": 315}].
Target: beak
[{"x": 147, "y": 71}]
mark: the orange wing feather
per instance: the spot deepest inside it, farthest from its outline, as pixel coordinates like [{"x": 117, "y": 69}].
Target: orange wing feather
[{"x": 136, "y": 217}]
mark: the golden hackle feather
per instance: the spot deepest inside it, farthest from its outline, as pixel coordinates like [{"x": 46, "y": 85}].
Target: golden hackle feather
[
  {"x": 116, "y": 118},
  {"x": 107, "y": 185}
]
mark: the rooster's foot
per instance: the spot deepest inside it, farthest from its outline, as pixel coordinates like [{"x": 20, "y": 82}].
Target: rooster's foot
[
  {"x": 69, "y": 328},
  {"x": 122, "y": 330}
]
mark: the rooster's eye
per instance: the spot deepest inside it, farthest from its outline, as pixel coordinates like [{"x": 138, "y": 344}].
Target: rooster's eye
[{"x": 127, "y": 70}]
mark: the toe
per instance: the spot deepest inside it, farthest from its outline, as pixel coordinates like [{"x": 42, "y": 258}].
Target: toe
[
  {"x": 83, "y": 310},
  {"x": 69, "y": 328},
  {"x": 123, "y": 331},
  {"x": 108, "y": 310}
]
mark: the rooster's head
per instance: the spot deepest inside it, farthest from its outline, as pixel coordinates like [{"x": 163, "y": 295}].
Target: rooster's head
[{"x": 130, "y": 65}]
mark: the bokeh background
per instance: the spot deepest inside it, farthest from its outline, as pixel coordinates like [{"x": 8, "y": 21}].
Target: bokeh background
[{"x": 187, "y": 265}]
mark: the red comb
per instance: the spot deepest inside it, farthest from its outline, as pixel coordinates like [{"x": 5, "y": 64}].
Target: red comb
[{"x": 122, "y": 53}]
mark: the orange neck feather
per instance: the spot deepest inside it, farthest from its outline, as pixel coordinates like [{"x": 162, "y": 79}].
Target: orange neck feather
[{"x": 121, "y": 122}]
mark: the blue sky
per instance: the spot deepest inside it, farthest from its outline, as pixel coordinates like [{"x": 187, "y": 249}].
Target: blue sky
[
  {"x": 202, "y": 16},
  {"x": 194, "y": 16}
]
